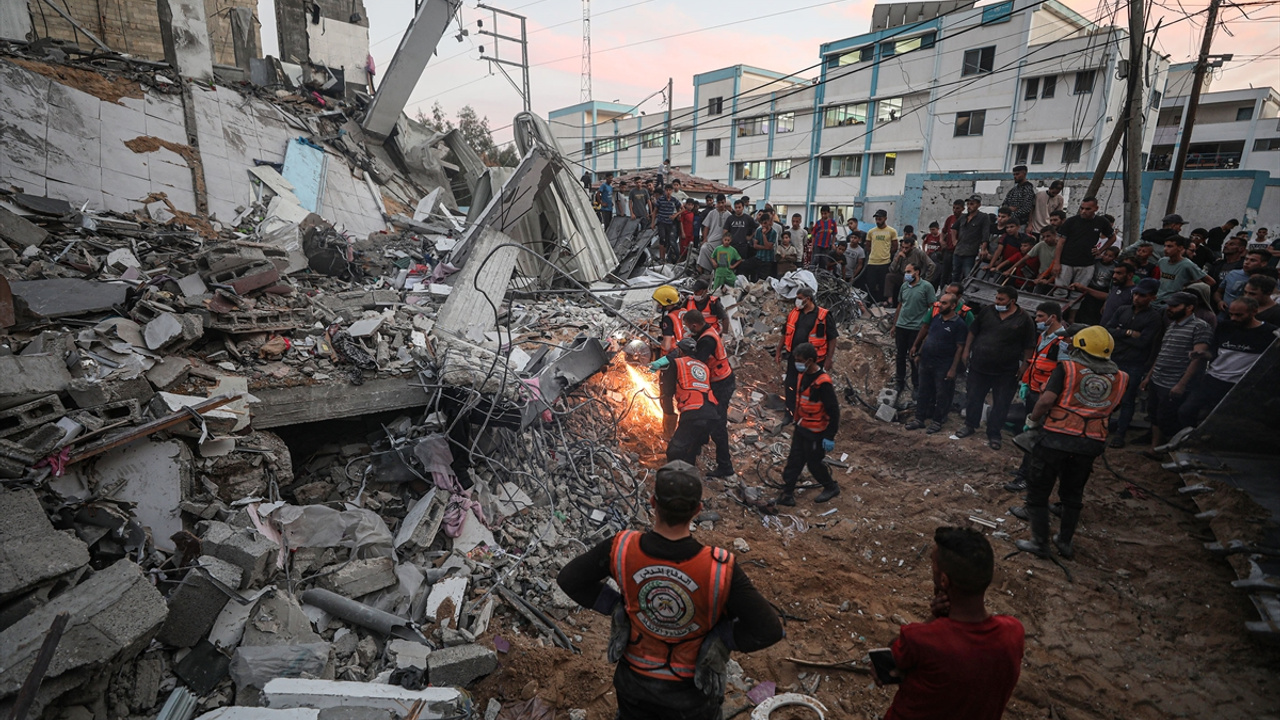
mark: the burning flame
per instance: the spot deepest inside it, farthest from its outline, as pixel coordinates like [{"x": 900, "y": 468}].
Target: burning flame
[{"x": 646, "y": 395}]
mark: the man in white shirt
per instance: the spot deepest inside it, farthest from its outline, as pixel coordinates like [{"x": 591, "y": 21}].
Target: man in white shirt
[{"x": 1047, "y": 201}]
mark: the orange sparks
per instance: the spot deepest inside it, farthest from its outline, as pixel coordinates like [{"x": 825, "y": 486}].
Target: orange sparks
[{"x": 645, "y": 394}]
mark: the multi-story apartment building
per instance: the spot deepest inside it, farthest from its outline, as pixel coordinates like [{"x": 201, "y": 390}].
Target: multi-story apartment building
[
  {"x": 1235, "y": 129},
  {"x": 934, "y": 88}
]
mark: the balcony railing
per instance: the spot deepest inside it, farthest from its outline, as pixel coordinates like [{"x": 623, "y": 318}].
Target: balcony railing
[{"x": 1198, "y": 161}]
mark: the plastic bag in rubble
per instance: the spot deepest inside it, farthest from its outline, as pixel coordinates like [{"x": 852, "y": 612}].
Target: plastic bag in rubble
[
  {"x": 788, "y": 284},
  {"x": 321, "y": 526},
  {"x": 255, "y": 666}
]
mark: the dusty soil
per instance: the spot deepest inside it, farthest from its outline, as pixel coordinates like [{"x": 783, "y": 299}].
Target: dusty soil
[
  {"x": 97, "y": 84},
  {"x": 1150, "y": 627}
]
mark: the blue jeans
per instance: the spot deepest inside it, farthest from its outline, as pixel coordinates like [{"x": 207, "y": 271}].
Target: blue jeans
[{"x": 962, "y": 267}]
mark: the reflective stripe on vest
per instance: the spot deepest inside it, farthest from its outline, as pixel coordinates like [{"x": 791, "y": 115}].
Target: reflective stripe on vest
[
  {"x": 693, "y": 384},
  {"x": 1040, "y": 367},
  {"x": 718, "y": 363},
  {"x": 810, "y": 414},
  {"x": 672, "y": 605},
  {"x": 712, "y": 321},
  {"x": 819, "y": 343},
  {"x": 677, "y": 322},
  {"x": 1086, "y": 401}
]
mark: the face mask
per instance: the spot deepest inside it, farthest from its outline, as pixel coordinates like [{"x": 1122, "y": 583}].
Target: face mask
[
  {"x": 1041, "y": 326},
  {"x": 799, "y": 303},
  {"x": 909, "y": 277},
  {"x": 800, "y": 367},
  {"x": 1064, "y": 346},
  {"x": 700, "y": 297},
  {"x": 1002, "y": 308}
]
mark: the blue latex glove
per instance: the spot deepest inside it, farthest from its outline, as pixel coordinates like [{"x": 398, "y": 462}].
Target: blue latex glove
[
  {"x": 660, "y": 363},
  {"x": 828, "y": 445}
]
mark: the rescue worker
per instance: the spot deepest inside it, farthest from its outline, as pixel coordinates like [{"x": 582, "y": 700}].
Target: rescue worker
[
  {"x": 671, "y": 329},
  {"x": 712, "y": 310},
  {"x": 709, "y": 349},
  {"x": 683, "y": 606},
  {"x": 807, "y": 323},
  {"x": 687, "y": 381},
  {"x": 817, "y": 418},
  {"x": 1049, "y": 347},
  {"x": 1073, "y": 410}
]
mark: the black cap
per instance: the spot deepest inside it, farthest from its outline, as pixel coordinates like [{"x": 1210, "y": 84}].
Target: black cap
[
  {"x": 1181, "y": 298},
  {"x": 1147, "y": 286},
  {"x": 678, "y": 487},
  {"x": 700, "y": 285},
  {"x": 1020, "y": 168},
  {"x": 1174, "y": 219},
  {"x": 881, "y": 213}
]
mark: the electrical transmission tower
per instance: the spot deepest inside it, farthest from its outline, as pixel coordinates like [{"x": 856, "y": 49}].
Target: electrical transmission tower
[{"x": 586, "y": 50}]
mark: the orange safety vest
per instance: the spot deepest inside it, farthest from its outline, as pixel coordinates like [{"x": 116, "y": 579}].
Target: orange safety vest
[
  {"x": 819, "y": 343},
  {"x": 810, "y": 414},
  {"x": 693, "y": 384},
  {"x": 672, "y": 605},
  {"x": 711, "y": 319},
  {"x": 677, "y": 322},
  {"x": 937, "y": 308},
  {"x": 1040, "y": 367},
  {"x": 1086, "y": 402},
  {"x": 718, "y": 364}
]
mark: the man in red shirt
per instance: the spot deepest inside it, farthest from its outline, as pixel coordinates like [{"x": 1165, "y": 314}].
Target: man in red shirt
[
  {"x": 684, "y": 221},
  {"x": 948, "y": 242},
  {"x": 964, "y": 663}
]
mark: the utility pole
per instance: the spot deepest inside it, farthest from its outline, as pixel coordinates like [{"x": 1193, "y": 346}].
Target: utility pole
[
  {"x": 523, "y": 40},
  {"x": 1133, "y": 139},
  {"x": 666, "y": 133},
  {"x": 586, "y": 50},
  {"x": 1189, "y": 116}
]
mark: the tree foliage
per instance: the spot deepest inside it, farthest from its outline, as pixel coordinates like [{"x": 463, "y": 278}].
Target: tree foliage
[{"x": 475, "y": 130}]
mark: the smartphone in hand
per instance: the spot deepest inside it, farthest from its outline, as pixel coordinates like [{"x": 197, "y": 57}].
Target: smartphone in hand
[{"x": 883, "y": 664}]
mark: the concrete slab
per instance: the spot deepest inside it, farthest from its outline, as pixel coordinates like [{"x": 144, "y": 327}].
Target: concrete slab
[
  {"x": 17, "y": 229},
  {"x": 185, "y": 34},
  {"x": 26, "y": 377},
  {"x": 60, "y": 297},
  {"x": 149, "y": 473},
  {"x": 114, "y": 615},
  {"x": 437, "y": 702},
  {"x": 195, "y": 605},
  {"x": 31, "y": 551},
  {"x": 280, "y": 407}
]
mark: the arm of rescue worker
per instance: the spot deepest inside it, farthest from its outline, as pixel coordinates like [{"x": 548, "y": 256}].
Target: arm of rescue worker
[
  {"x": 832, "y": 334},
  {"x": 583, "y": 579},
  {"x": 717, "y": 309},
  {"x": 1049, "y": 395},
  {"x": 827, "y": 396},
  {"x": 757, "y": 625},
  {"x": 706, "y": 349},
  {"x": 667, "y": 388}
]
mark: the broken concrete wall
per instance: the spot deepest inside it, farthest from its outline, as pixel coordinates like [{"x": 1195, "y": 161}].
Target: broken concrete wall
[
  {"x": 294, "y": 16},
  {"x": 133, "y": 26}
]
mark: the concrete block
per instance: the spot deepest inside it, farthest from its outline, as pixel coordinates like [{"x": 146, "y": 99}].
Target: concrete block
[
  {"x": 31, "y": 551},
  {"x": 886, "y": 413},
  {"x": 365, "y": 327},
  {"x": 168, "y": 372},
  {"x": 460, "y": 665},
  {"x": 279, "y": 620},
  {"x": 409, "y": 653},
  {"x": 246, "y": 549},
  {"x": 61, "y": 297},
  {"x": 173, "y": 332},
  {"x": 29, "y": 415},
  {"x": 114, "y": 615},
  {"x": 252, "y": 321},
  {"x": 437, "y": 702},
  {"x": 422, "y": 523},
  {"x": 87, "y": 393},
  {"x": 26, "y": 377},
  {"x": 191, "y": 285},
  {"x": 221, "y": 258},
  {"x": 244, "y": 280},
  {"x": 360, "y": 577},
  {"x": 195, "y": 604},
  {"x": 18, "y": 229}
]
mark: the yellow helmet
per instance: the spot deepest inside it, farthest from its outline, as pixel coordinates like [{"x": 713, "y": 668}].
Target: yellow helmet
[
  {"x": 1095, "y": 340},
  {"x": 666, "y": 295}
]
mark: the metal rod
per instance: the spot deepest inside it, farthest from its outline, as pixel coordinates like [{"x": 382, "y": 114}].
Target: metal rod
[
  {"x": 1193, "y": 103},
  {"x": 78, "y": 26},
  {"x": 27, "y": 693}
]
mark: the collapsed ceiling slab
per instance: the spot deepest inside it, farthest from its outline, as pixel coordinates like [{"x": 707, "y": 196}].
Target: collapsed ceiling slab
[{"x": 416, "y": 48}]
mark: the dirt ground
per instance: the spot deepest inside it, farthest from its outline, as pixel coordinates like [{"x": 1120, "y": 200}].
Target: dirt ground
[{"x": 1150, "y": 628}]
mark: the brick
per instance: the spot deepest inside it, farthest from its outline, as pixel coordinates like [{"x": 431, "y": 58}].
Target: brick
[{"x": 29, "y": 415}]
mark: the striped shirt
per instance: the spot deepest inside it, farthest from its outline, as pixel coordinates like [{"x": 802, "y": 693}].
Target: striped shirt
[
  {"x": 1175, "y": 351},
  {"x": 824, "y": 234}
]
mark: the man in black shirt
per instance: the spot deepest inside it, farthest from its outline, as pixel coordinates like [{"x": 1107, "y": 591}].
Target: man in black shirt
[
  {"x": 817, "y": 420},
  {"x": 939, "y": 347},
  {"x": 660, "y": 570},
  {"x": 973, "y": 229},
  {"x": 1001, "y": 338},
  {"x": 1136, "y": 330},
  {"x": 1217, "y": 237},
  {"x": 1232, "y": 259},
  {"x": 741, "y": 227},
  {"x": 1078, "y": 244}
]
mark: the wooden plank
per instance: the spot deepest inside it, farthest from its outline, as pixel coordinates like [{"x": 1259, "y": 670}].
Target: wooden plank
[{"x": 296, "y": 405}]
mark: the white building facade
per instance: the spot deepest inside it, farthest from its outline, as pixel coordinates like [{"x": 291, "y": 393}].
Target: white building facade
[
  {"x": 1235, "y": 129},
  {"x": 954, "y": 89}
]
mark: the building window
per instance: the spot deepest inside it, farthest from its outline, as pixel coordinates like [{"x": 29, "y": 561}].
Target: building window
[
  {"x": 713, "y": 148},
  {"x": 1048, "y": 86},
  {"x": 979, "y": 60},
  {"x": 1027, "y": 153},
  {"x": 749, "y": 170},
  {"x": 1244, "y": 114},
  {"x": 836, "y": 60},
  {"x": 784, "y": 123},
  {"x": 1000, "y": 13},
  {"x": 1156, "y": 97},
  {"x": 715, "y": 106},
  {"x": 1033, "y": 89},
  {"x": 658, "y": 139},
  {"x": 1084, "y": 81},
  {"x": 587, "y": 148},
  {"x": 752, "y": 126},
  {"x": 1266, "y": 144},
  {"x": 897, "y": 47},
  {"x": 1071, "y": 151},
  {"x": 606, "y": 146},
  {"x": 781, "y": 169},
  {"x": 888, "y": 110},
  {"x": 841, "y": 166},
  {"x": 970, "y": 123},
  {"x": 840, "y": 115},
  {"x": 883, "y": 163}
]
